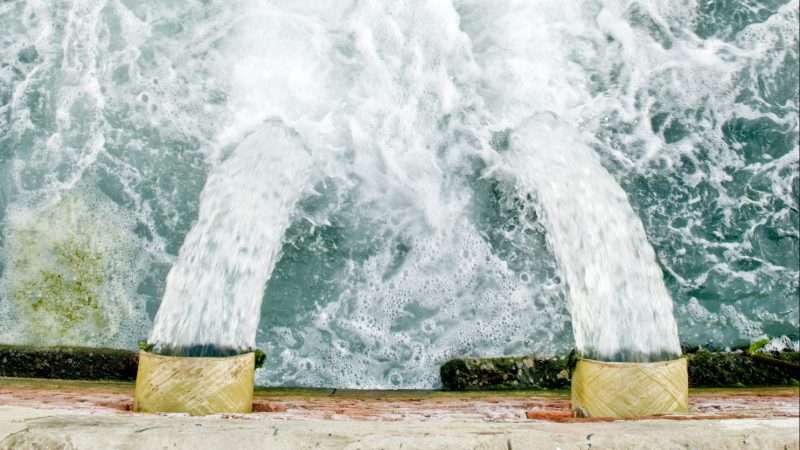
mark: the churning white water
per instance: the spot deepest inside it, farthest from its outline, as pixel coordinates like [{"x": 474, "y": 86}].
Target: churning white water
[
  {"x": 376, "y": 113},
  {"x": 397, "y": 183},
  {"x": 620, "y": 306},
  {"x": 214, "y": 290}
]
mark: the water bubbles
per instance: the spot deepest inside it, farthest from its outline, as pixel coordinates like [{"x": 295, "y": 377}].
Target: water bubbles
[
  {"x": 692, "y": 108},
  {"x": 28, "y": 55},
  {"x": 62, "y": 278},
  {"x": 395, "y": 379},
  {"x": 214, "y": 290}
]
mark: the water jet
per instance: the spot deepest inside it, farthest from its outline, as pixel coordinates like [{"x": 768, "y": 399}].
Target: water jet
[{"x": 398, "y": 185}]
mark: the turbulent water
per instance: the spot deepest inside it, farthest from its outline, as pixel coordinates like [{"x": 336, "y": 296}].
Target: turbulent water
[
  {"x": 428, "y": 179},
  {"x": 621, "y": 309},
  {"x": 213, "y": 293}
]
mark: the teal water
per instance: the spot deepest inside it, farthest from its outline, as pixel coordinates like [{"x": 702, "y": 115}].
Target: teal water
[{"x": 112, "y": 114}]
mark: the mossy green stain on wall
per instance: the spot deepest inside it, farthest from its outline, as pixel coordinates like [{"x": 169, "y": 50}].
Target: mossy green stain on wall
[
  {"x": 67, "y": 295},
  {"x": 61, "y": 280}
]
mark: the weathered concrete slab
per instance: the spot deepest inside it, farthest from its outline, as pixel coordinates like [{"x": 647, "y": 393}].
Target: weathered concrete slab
[
  {"x": 30, "y": 428},
  {"x": 67, "y": 414},
  {"x": 396, "y": 406}
]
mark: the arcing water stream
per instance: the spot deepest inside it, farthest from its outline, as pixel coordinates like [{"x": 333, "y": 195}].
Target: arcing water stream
[
  {"x": 412, "y": 181},
  {"x": 214, "y": 290},
  {"x": 621, "y": 309}
]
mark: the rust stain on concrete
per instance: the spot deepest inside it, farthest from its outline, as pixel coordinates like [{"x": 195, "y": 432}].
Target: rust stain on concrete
[{"x": 393, "y": 406}]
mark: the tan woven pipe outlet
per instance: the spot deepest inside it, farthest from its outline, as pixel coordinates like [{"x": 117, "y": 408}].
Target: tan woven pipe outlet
[
  {"x": 625, "y": 390},
  {"x": 194, "y": 385}
]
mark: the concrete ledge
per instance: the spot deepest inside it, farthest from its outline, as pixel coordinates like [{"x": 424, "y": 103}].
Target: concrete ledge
[
  {"x": 30, "y": 428},
  {"x": 70, "y": 363},
  {"x": 743, "y": 369},
  {"x": 706, "y": 369},
  {"x": 512, "y": 372}
]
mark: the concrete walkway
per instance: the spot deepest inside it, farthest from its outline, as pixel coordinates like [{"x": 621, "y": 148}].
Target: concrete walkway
[
  {"x": 45, "y": 414},
  {"x": 26, "y": 428}
]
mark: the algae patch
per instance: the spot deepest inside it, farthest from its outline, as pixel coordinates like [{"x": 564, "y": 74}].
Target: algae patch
[{"x": 70, "y": 273}]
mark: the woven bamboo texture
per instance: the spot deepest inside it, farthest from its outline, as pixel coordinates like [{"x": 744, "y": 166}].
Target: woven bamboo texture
[
  {"x": 194, "y": 385},
  {"x": 625, "y": 390}
]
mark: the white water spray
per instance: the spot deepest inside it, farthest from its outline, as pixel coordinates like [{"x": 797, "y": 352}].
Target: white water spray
[
  {"x": 619, "y": 304},
  {"x": 620, "y": 308},
  {"x": 424, "y": 234},
  {"x": 214, "y": 291}
]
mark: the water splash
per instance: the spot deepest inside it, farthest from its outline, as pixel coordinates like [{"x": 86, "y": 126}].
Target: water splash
[
  {"x": 621, "y": 310},
  {"x": 690, "y": 106},
  {"x": 213, "y": 295},
  {"x": 619, "y": 303}
]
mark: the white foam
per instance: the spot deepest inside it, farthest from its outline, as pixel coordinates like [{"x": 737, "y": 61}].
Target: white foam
[
  {"x": 214, "y": 290},
  {"x": 401, "y": 106}
]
